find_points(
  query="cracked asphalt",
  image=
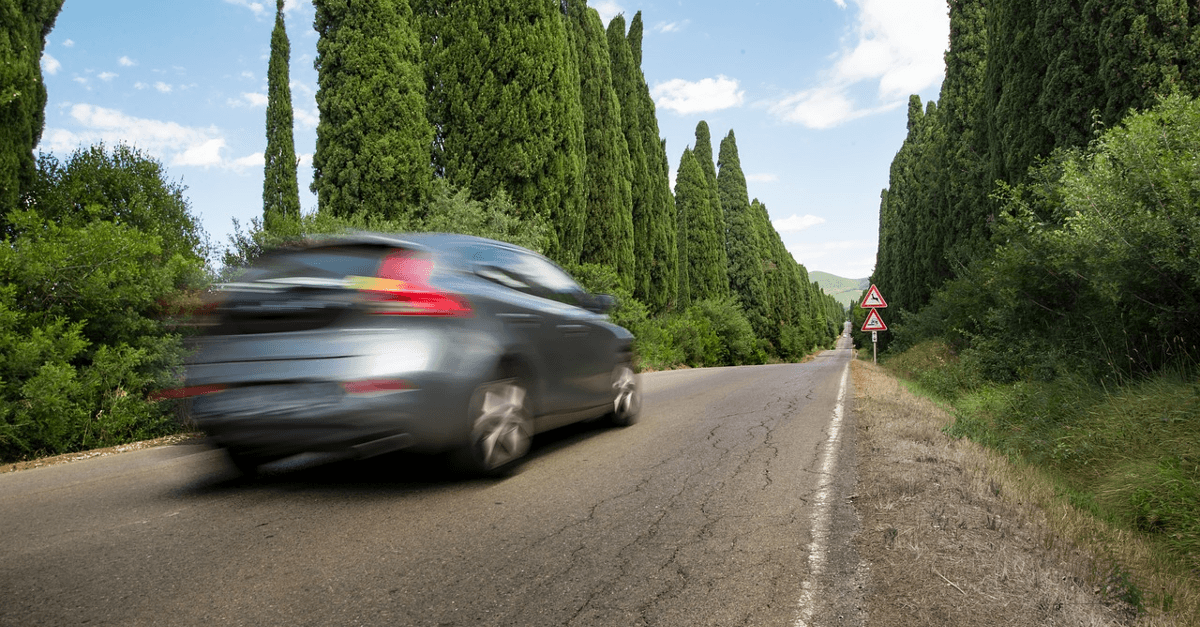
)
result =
(701, 514)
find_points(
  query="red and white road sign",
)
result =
(873, 299)
(874, 322)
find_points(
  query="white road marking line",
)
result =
(816, 552)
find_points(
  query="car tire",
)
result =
(627, 396)
(501, 429)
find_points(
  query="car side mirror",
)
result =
(599, 303)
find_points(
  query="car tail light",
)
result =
(401, 287)
(375, 386)
(186, 392)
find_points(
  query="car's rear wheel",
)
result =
(501, 429)
(627, 396)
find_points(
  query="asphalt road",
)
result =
(713, 510)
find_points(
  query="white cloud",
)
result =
(898, 46)
(207, 153)
(163, 87)
(176, 144)
(68, 43)
(140, 85)
(761, 178)
(305, 118)
(608, 9)
(81, 80)
(797, 223)
(670, 27)
(50, 65)
(106, 76)
(303, 88)
(255, 160)
(252, 100)
(710, 94)
(257, 8)
(248, 74)
(126, 62)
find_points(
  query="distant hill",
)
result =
(844, 290)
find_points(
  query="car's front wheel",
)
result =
(627, 396)
(501, 429)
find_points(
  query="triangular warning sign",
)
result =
(874, 322)
(873, 299)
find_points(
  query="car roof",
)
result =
(431, 241)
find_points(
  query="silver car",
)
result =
(372, 343)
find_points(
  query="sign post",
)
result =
(873, 301)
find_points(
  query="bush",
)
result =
(87, 278)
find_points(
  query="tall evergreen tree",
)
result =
(608, 230)
(704, 156)
(504, 96)
(706, 272)
(626, 76)
(1012, 84)
(373, 138)
(963, 181)
(660, 212)
(281, 192)
(744, 242)
(24, 25)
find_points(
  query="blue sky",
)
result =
(814, 90)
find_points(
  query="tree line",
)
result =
(523, 120)
(1040, 234)
(1036, 211)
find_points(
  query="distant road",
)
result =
(701, 514)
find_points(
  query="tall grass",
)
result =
(1128, 456)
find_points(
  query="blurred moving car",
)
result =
(372, 343)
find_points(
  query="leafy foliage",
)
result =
(373, 139)
(503, 96)
(85, 291)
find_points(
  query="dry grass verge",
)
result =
(952, 534)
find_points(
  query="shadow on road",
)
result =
(400, 472)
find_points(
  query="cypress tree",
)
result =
(744, 239)
(704, 156)
(660, 212)
(373, 139)
(24, 25)
(1012, 84)
(964, 185)
(608, 230)
(281, 192)
(504, 96)
(626, 77)
(706, 272)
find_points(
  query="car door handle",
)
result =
(573, 330)
(521, 319)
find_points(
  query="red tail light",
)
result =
(186, 392)
(402, 288)
(375, 386)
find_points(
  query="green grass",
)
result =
(1130, 456)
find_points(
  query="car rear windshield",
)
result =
(325, 262)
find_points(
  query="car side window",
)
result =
(527, 273)
(550, 280)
